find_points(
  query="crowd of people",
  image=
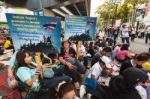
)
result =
(98, 69)
(5, 43)
(128, 32)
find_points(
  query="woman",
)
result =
(72, 66)
(82, 54)
(30, 76)
(122, 55)
(91, 50)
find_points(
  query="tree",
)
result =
(107, 12)
(124, 11)
(134, 4)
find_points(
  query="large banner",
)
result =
(80, 28)
(34, 31)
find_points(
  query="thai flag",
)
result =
(90, 23)
(50, 26)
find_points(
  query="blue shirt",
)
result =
(25, 73)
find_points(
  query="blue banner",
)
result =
(80, 28)
(34, 31)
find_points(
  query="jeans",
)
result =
(132, 37)
(53, 82)
(77, 64)
(77, 69)
(125, 39)
(147, 37)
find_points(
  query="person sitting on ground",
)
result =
(137, 61)
(125, 86)
(73, 67)
(117, 49)
(67, 91)
(105, 52)
(1, 45)
(123, 54)
(146, 65)
(8, 44)
(91, 49)
(82, 54)
(30, 76)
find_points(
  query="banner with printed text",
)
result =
(34, 31)
(80, 28)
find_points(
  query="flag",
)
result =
(50, 26)
(90, 23)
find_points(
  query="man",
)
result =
(137, 61)
(105, 52)
(125, 34)
(148, 34)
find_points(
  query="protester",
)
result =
(1, 45)
(147, 34)
(67, 91)
(123, 53)
(125, 34)
(137, 61)
(105, 52)
(82, 54)
(72, 65)
(8, 44)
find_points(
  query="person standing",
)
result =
(148, 34)
(125, 34)
(116, 32)
(133, 33)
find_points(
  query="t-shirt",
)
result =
(148, 29)
(95, 70)
(7, 44)
(116, 50)
(25, 73)
(125, 32)
(70, 53)
(122, 54)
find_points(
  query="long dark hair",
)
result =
(20, 56)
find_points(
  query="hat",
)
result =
(107, 61)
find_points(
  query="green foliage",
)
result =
(107, 12)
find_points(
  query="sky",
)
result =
(94, 5)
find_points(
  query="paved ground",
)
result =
(139, 46)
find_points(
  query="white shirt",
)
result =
(142, 92)
(148, 29)
(117, 49)
(125, 32)
(74, 46)
(95, 70)
(82, 48)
